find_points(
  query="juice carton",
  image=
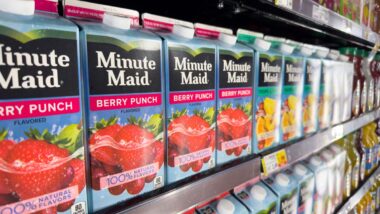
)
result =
(223, 204)
(234, 101)
(41, 122)
(319, 169)
(285, 186)
(124, 100)
(292, 92)
(364, 12)
(190, 74)
(347, 68)
(333, 67)
(258, 198)
(345, 8)
(306, 186)
(330, 162)
(369, 81)
(311, 94)
(324, 108)
(268, 85)
(340, 156)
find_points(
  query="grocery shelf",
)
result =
(179, 199)
(355, 198)
(309, 145)
(198, 190)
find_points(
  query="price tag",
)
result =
(284, 3)
(274, 161)
(337, 132)
(320, 14)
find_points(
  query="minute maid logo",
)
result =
(271, 72)
(293, 69)
(232, 68)
(123, 71)
(186, 66)
(15, 78)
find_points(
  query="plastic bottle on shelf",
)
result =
(328, 157)
(369, 81)
(354, 156)
(367, 145)
(340, 156)
(359, 88)
(373, 70)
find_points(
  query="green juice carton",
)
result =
(268, 85)
(285, 186)
(123, 75)
(223, 204)
(311, 88)
(258, 198)
(306, 186)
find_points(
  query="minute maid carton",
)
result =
(311, 88)
(223, 204)
(268, 87)
(306, 186)
(258, 198)
(190, 75)
(284, 185)
(124, 101)
(234, 98)
(41, 126)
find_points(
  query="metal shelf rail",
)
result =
(191, 194)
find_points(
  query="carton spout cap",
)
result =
(300, 169)
(227, 38)
(282, 179)
(117, 21)
(315, 160)
(225, 207)
(258, 193)
(183, 31)
(19, 7)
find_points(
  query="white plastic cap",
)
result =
(262, 44)
(334, 54)
(117, 21)
(306, 51)
(225, 207)
(19, 7)
(344, 58)
(300, 169)
(227, 38)
(327, 155)
(287, 49)
(282, 179)
(315, 160)
(258, 192)
(321, 52)
(183, 31)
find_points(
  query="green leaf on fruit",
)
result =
(104, 123)
(209, 115)
(155, 124)
(3, 133)
(70, 138)
(37, 135)
(248, 109)
(136, 121)
(226, 106)
(178, 114)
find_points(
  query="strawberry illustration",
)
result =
(50, 210)
(78, 180)
(29, 158)
(158, 151)
(110, 170)
(7, 199)
(5, 147)
(96, 174)
(136, 186)
(105, 128)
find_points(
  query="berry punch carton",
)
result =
(223, 204)
(267, 96)
(258, 198)
(285, 186)
(124, 100)
(190, 96)
(234, 96)
(310, 98)
(41, 125)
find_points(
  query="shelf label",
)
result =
(337, 132)
(320, 14)
(284, 3)
(274, 161)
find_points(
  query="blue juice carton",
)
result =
(306, 186)
(41, 123)
(190, 76)
(321, 174)
(311, 94)
(258, 198)
(285, 186)
(124, 102)
(223, 204)
(234, 98)
(268, 86)
(292, 92)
